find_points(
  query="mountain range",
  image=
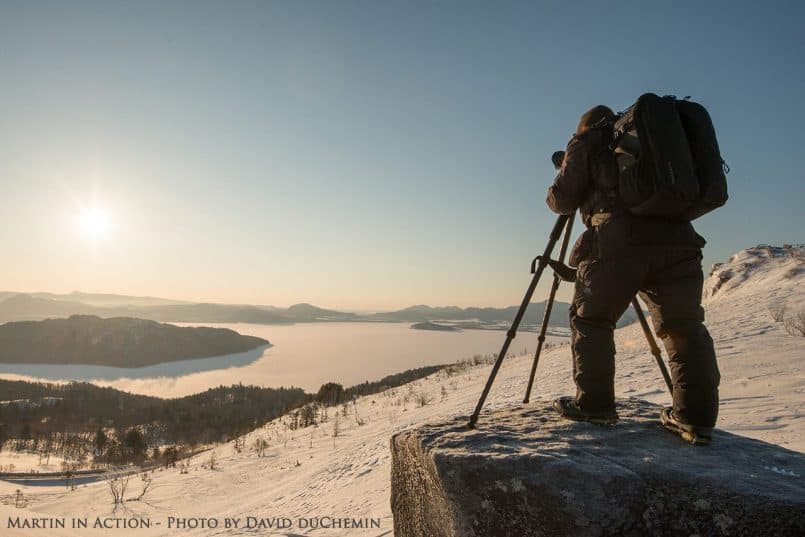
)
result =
(39, 306)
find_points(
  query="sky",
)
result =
(355, 154)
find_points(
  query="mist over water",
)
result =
(302, 355)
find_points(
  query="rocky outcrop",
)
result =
(525, 471)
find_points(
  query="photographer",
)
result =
(619, 255)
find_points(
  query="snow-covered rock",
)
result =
(526, 471)
(760, 269)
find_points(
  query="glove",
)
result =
(561, 270)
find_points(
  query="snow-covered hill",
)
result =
(311, 473)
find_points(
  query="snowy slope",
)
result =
(308, 473)
(762, 390)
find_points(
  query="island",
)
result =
(427, 325)
(117, 342)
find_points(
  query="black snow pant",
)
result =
(669, 280)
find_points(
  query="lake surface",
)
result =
(302, 355)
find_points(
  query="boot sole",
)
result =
(690, 437)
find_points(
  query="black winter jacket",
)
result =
(588, 182)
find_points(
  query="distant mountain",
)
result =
(22, 307)
(308, 312)
(109, 300)
(37, 306)
(209, 313)
(484, 315)
(423, 313)
(488, 317)
(119, 342)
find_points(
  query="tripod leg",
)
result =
(652, 343)
(546, 316)
(554, 238)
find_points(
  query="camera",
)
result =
(558, 158)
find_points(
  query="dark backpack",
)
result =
(669, 163)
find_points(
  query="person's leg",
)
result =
(673, 293)
(603, 291)
(573, 335)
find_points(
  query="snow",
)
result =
(22, 461)
(308, 473)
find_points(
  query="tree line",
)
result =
(83, 421)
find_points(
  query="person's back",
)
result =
(619, 255)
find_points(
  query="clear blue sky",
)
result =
(357, 154)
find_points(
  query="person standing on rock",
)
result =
(621, 254)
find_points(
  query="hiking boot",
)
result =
(568, 408)
(694, 434)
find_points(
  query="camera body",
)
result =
(558, 158)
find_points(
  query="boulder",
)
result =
(525, 471)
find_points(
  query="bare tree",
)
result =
(405, 399)
(117, 488)
(260, 446)
(336, 428)
(69, 469)
(796, 325)
(212, 462)
(19, 500)
(358, 420)
(777, 312)
(422, 399)
(146, 481)
(284, 435)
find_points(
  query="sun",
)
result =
(95, 222)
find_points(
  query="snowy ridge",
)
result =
(312, 473)
(759, 270)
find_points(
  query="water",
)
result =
(302, 355)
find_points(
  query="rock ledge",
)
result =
(525, 471)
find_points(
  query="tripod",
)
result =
(563, 223)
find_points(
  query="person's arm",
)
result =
(571, 185)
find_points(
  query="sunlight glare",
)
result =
(95, 222)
